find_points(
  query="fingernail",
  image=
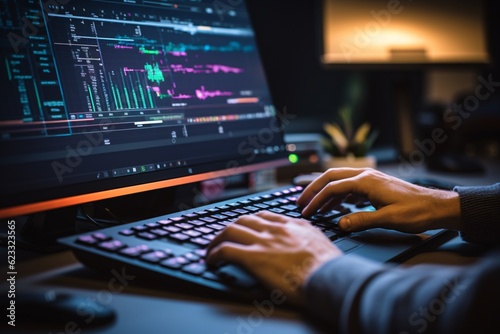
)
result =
(346, 224)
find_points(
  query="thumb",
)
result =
(360, 221)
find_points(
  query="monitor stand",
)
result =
(39, 232)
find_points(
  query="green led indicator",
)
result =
(293, 158)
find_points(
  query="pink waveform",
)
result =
(208, 69)
(178, 97)
(203, 94)
(178, 53)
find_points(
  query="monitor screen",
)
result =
(112, 97)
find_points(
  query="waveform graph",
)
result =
(203, 94)
(205, 69)
(145, 86)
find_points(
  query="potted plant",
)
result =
(347, 146)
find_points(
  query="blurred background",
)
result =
(405, 95)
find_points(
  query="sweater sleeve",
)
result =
(355, 295)
(480, 210)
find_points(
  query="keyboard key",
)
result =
(200, 252)
(261, 205)
(101, 236)
(87, 240)
(211, 276)
(177, 219)
(154, 257)
(190, 215)
(277, 210)
(251, 208)
(218, 216)
(191, 257)
(172, 229)
(179, 236)
(293, 214)
(213, 210)
(171, 263)
(184, 226)
(216, 227)
(192, 233)
(241, 211)
(208, 219)
(153, 225)
(147, 236)
(200, 241)
(194, 268)
(290, 207)
(230, 214)
(159, 232)
(111, 246)
(140, 228)
(209, 237)
(204, 230)
(197, 222)
(181, 260)
(164, 222)
(126, 232)
(135, 251)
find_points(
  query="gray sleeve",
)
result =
(353, 295)
(480, 210)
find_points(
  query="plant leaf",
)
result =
(345, 114)
(337, 136)
(362, 133)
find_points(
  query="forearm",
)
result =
(355, 295)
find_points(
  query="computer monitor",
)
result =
(108, 98)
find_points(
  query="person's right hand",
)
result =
(400, 205)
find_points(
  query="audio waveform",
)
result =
(205, 68)
(203, 94)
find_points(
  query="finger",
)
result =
(332, 203)
(235, 233)
(227, 252)
(257, 222)
(332, 189)
(361, 221)
(273, 217)
(317, 185)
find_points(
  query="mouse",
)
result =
(455, 163)
(304, 179)
(53, 307)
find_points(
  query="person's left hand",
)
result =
(281, 252)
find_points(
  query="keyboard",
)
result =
(171, 248)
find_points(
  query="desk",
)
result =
(142, 308)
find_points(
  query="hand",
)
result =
(400, 205)
(281, 252)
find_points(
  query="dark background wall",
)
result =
(288, 36)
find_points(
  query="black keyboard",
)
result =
(172, 247)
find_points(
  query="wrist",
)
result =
(447, 208)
